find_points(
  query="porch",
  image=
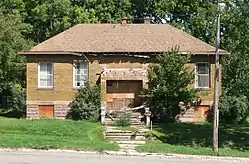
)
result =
(120, 90)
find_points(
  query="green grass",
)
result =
(197, 139)
(49, 133)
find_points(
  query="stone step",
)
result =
(125, 130)
(125, 138)
(139, 124)
(128, 146)
(186, 119)
(131, 142)
(189, 113)
(131, 115)
(131, 119)
(124, 133)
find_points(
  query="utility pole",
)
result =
(216, 85)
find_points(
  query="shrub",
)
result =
(15, 101)
(86, 105)
(123, 121)
(169, 82)
(233, 110)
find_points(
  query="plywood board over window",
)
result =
(201, 111)
(46, 111)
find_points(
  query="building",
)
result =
(115, 55)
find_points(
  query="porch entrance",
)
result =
(123, 93)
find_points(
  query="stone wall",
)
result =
(60, 109)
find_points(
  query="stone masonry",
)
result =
(60, 109)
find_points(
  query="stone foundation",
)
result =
(60, 109)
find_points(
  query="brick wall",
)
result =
(63, 77)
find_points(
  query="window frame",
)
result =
(39, 74)
(74, 72)
(196, 75)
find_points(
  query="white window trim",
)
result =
(74, 73)
(196, 75)
(39, 86)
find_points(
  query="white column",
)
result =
(103, 113)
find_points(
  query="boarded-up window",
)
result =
(46, 111)
(201, 111)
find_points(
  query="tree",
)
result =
(12, 65)
(234, 109)
(169, 82)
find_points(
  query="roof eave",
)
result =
(49, 53)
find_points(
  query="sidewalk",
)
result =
(131, 153)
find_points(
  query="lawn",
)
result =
(197, 139)
(49, 133)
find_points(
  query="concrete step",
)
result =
(131, 142)
(186, 119)
(141, 124)
(124, 133)
(125, 138)
(127, 146)
(131, 119)
(131, 115)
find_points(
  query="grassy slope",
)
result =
(197, 139)
(48, 133)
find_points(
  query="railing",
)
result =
(147, 113)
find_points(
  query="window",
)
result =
(202, 75)
(45, 75)
(80, 74)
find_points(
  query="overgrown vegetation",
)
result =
(169, 82)
(49, 133)
(197, 139)
(16, 103)
(233, 109)
(86, 105)
(123, 120)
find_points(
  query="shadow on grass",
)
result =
(200, 135)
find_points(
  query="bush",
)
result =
(233, 110)
(123, 121)
(169, 82)
(86, 105)
(15, 101)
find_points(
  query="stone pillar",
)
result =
(103, 113)
(103, 95)
(147, 111)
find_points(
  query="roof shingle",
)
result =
(124, 38)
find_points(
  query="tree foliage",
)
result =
(86, 105)
(233, 109)
(12, 65)
(169, 84)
